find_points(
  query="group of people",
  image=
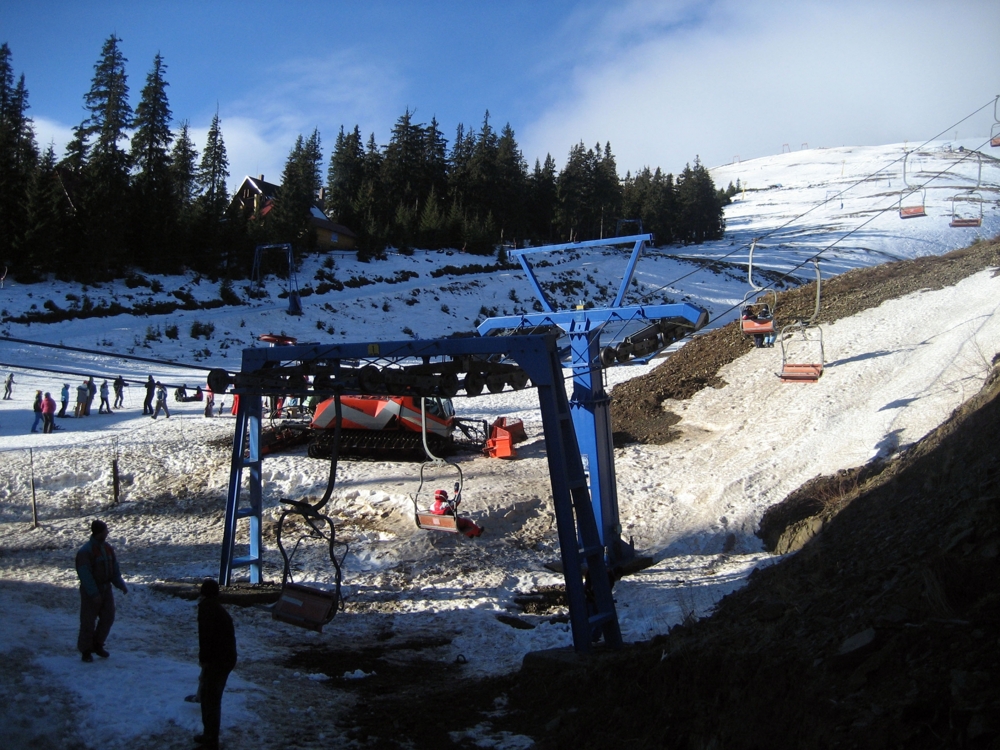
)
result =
(46, 409)
(98, 570)
(44, 406)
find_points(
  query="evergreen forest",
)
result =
(132, 192)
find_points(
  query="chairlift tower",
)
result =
(590, 405)
(257, 277)
(439, 367)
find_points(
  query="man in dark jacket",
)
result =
(97, 568)
(147, 405)
(217, 656)
(119, 389)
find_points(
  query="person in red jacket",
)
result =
(445, 507)
(48, 413)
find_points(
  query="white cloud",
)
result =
(341, 88)
(50, 132)
(666, 82)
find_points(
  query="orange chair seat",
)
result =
(808, 373)
(754, 327)
(433, 522)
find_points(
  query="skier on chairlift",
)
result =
(445, 507)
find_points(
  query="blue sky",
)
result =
(662, 81)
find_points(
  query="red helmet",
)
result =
(441, 495)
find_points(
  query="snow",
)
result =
(893, 374)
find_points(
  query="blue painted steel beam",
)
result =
(590, 405)
(639, 241)
(696, 316)
(588, 587)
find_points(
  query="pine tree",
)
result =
(575, 190)
(18, 158)
(212, 174)
(541, 200)
(510, 187)
(435, 160)
(299, 188)
(184, 173)
(701, 215)
(607, 191)
(459, 174)
(42, 248)
(403, 165)
(483, 172)
(105, 184)
(344, 177)
(154, 207)
(212, 246)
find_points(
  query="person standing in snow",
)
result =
(105, 407)
(119, 389)
(97, 569)
(147, 405)
(217, 657)
(8, 386)
(91, 392)
(64, 398)
(161, 400)
(81, 400)
(37, 408)
(48, 413)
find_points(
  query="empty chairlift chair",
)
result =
(310, 606)
(912, 200)
(966, 210)
(802, 355)
(967, 205)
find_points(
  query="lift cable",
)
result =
(832, 198)
(877, 214)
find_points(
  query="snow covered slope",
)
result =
(893, 373)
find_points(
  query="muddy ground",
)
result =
(884, 631)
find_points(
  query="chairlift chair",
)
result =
(752, 325)
(995, 130)
(970, 217)
(912, 208)
(310, 606)
(424, 518)
(800, 343)
(909, 208)
(970, 198)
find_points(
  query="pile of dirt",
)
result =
(884, 631)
